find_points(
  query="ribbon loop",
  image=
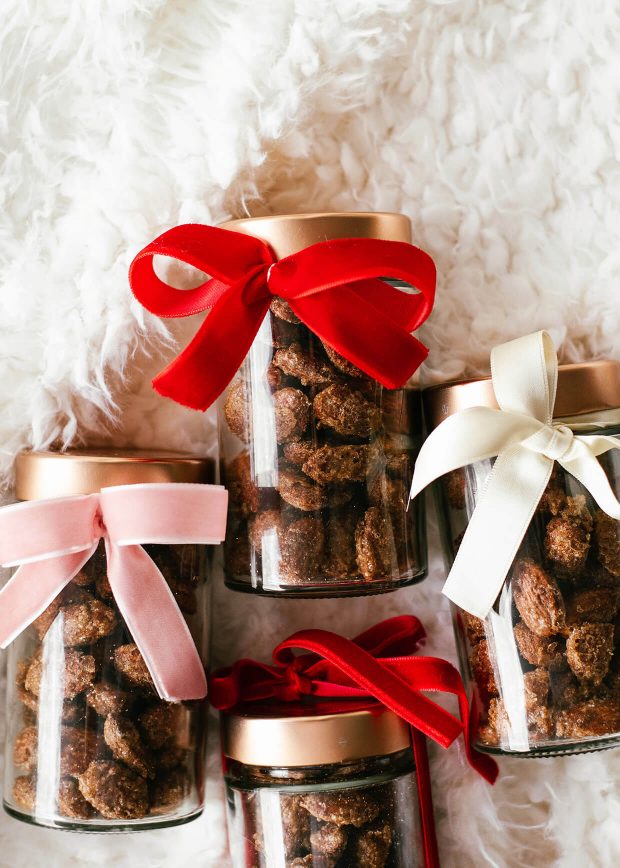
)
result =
(527, 443)
(334, 287)
(51, 540)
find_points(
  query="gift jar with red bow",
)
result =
(106, 718)
(314, 788)
(545, 660)
(317, 454)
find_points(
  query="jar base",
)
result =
(353, 589)
(566, 748)
(102, 827)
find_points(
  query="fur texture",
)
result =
(493, 125)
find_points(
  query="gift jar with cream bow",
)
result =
(106, 717)
(309, 338)
(532, 533)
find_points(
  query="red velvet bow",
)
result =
(377, 664)
(333, 287)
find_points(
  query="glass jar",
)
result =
(545, 662)
(310, 788)
(89, 745)
(317, 456)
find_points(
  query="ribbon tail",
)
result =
(587, 469)
(32, 588)
(496, 528)
(425, 796)
(156, 624)
(198, 375)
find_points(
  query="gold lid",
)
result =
(42, 475)
(305, 735)
(288, 233)
(582, 388)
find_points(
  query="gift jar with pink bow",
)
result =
(317, 453)
(532, 534)
(107, 621)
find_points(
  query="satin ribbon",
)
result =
(332, 286)
(527, 442)
(378, 665)
(51, 540)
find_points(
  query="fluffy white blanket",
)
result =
(494, 125)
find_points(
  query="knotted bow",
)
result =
(333, 287)
(526, 441)
(342, 670)
(51, 540)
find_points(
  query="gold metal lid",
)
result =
(42, 475)
(306, 735)
(288, 233)
(582, 388)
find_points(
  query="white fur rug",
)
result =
(494, 125)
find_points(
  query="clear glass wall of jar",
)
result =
(296, 796)
(545, 663)
(317, 456)
(89, 745)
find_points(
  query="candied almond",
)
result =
(607, 541)
(282, 310)
(329, 841)
(130, 663)
(589, 719)
(169, 789)
(296, 362)
(123, 739)
(589, 649)
(537, 597)
(567, 538)
(343, 808)
(347, 411)
(301, 492)
(292, 413)
(340, 555)
(79, 672)
(373, 545)
(25, 748)
(115, 790)
(372, 846)
(242, 488)
(107, 699)
(537, 650)
(295, 825)
(87, 621)
(298, 451)
(302, 546)
(343, 365)
(482, 668)
(596, 605)
(338, 463)
(161, 723)
(71, 802)
(236, 410)
(536, 685)
(25, 792)
(493, 730)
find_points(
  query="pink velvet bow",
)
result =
(51, 540)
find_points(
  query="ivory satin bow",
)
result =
(51, 540)
(527, 442)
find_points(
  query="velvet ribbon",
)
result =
(51, 540)
(378, 665)
(333, 287)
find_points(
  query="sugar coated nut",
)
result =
(292, 413)
(474, 627)
(310, 370)
(567, 538)
(302, 546)
(265, 524)
(372, 846)
(25, 748)
(298, 451)
(329, 841)
(282, 310)
(236, 410)
(130, 663)
(301, 492)
(589, 719)
(482, 668)
(596, 605)
(340, 555)
(338, 464)
(540, 722)
(607, 541)
(295, 825)
(537, 650)
(373, 545)
(537, 597)
(242, 488)
(87, 622)
(115, 790)
(347, 411)
(344, 808)
(79, 747)
(123, 739)
(493, 731)
(536, 685)
(161, 723)
(589, 649)
(25, 792)
(106, 699)
(169, 789)
(71, 802)
(343, 365)
(79, 672)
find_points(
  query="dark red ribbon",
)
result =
(333, 287)
(378, 664)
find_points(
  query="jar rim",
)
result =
(288, 233)
(307, 736)
(40, 475)
(584, 387)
